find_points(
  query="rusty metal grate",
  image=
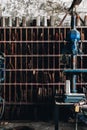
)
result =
(34, 63)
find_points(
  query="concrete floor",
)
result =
(39, 126)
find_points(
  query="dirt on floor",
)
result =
(40, 126)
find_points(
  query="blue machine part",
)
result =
(75, 71)
(74, 35)
(75, 48)
(73, 45)
(74, 97)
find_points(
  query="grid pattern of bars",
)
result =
(35, 60)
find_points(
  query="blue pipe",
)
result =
(75, 71)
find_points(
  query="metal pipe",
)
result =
(74, 84)
(76, 71)
(74, 76)
(67, 85)
(73, 21)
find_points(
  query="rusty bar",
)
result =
(23, 21)
(85, 20)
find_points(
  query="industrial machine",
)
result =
(74, 49)
(73, 41)
(71, 97)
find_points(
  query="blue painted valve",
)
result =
(74, 35)
(74, 38)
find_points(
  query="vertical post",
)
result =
(56, 116)
(3, 21)
(73, 21)
(74, 76)
(74, 39)
(17, 21)
(85, 20)
(24, 21)
(45, 21)
(78, 23)
(67, 85)
(52, 19)
(76, 125)
(10, 21)
(38, 20)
